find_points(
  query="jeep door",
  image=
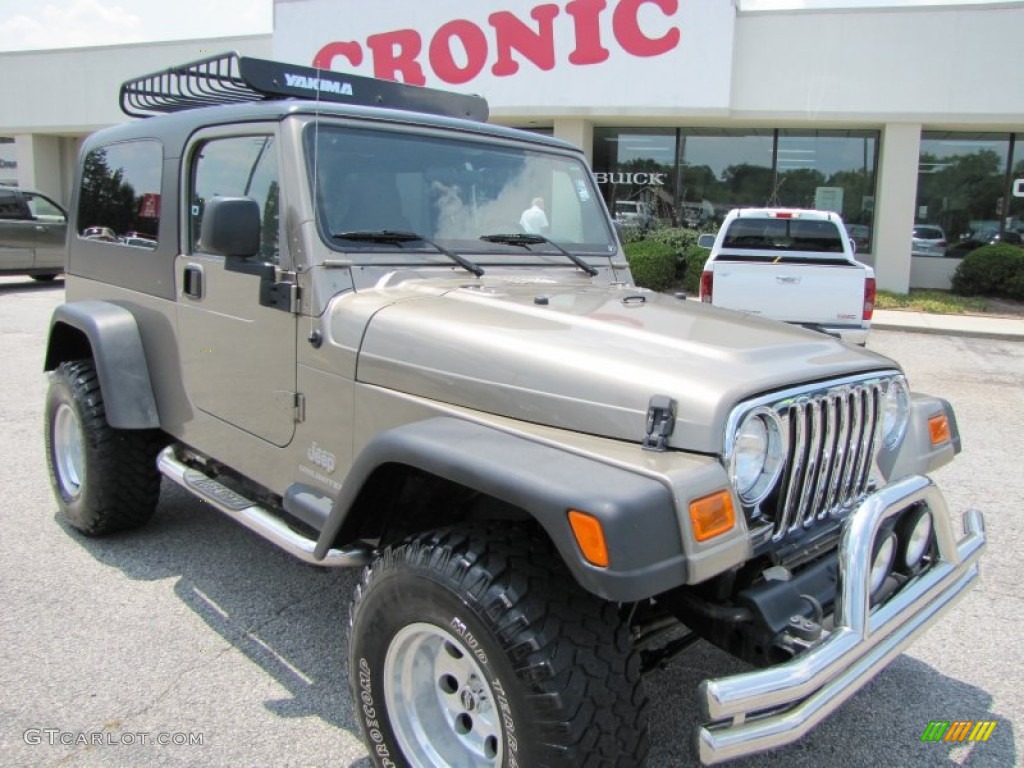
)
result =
(51, 226)
(237, 354)
(17, 233)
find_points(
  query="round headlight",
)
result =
(915, 532)
(756, 455)
(881, 563)
(895, 412)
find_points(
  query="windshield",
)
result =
(784, 234)
(450, 191)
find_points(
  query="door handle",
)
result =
(193, 281)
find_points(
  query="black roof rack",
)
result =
(229, 78)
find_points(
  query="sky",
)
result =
(39, 24)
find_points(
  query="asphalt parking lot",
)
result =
(195, 632)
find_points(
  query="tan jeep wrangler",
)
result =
(328, 324)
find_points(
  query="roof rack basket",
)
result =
(229, 78)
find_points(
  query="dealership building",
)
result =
(894, 116)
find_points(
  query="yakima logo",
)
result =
(459, 49)
(318, 84)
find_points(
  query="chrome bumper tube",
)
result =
(756, 711)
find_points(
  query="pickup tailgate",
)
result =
(791, 289)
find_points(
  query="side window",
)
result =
(240, 166)
(43, 209)
(120, 195)
(10, 206)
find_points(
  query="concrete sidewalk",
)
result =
(981, 326)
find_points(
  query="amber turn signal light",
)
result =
(938, 428)
(590, 537)
(712, 515)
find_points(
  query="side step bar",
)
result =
(255, 517)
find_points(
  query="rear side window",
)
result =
(928, 233)
(120, 194)
(784, 235)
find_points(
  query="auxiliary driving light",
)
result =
(881, 562)
(915, 534)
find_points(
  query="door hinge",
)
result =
(300, 407)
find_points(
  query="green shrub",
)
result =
(688, 257)
(689, 265)
(653, 264)
(992, 270)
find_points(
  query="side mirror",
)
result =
(706, 241)
(231, 227)
(853, 245)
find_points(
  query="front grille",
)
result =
(830, 433)
(832, 441)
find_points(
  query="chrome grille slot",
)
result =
(833, 435)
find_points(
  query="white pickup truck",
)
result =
(793, 265)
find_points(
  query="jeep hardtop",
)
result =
(555, 481)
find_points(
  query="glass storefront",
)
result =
(693, 176)
(8, 163)
(965, 189)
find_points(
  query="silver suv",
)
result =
(32, 232)
(553, 480)
(928, 240)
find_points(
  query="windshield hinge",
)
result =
(661, 420)
(300, 407)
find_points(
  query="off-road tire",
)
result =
(558, 669)
(111, 483)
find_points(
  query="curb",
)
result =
(994, 335)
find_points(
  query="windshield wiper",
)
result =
(392, 236)
(526, 241)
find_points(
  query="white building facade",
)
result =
(895, 117)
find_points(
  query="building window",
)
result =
(8, 161)
(832, 171)
(692, 177)
(1015, 199)
(635, 170)
(962, 190)
(119, 200)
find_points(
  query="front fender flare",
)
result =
(116, 348)
(636, 511)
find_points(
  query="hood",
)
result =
(589, 358)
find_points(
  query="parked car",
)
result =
(100, 233)
(633, 213)
(32, 232)
(138, 241)
(793, 265)
(977, 239)
(928, 240)
(861, 236)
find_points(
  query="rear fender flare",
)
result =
(115, 345)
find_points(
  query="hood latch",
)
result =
(661, 420)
